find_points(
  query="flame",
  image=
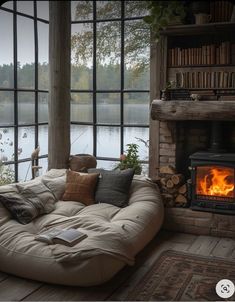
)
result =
(217, 182)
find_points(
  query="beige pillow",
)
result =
(37, 192)
(80, 187)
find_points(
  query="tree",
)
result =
(137, 35)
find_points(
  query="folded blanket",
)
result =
(109, 242)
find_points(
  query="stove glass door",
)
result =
(215, 183)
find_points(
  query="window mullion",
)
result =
(122, 77)
(15, 91)
(94, 82)
(36, 73)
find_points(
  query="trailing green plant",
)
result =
(130, 159)
(163, 13)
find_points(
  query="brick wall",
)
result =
(178, 140)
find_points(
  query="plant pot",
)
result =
(198, 7)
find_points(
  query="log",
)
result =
(183, 189)
(167, 170)
(177, 178)
(181, 199)
(193, 110)
(163, 181)
(169, 184)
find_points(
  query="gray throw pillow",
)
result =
(113, 186)
(31, 201)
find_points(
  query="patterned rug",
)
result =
(177, 276)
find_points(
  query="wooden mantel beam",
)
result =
(193, 110)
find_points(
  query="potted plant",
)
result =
(163, 14)
(130, 159)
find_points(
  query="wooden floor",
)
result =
(18, 289)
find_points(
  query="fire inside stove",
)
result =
(215, 182)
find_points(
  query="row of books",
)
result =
(205, 55)
(221, 11)
(205, 79)
(213, 95)
(205, 95)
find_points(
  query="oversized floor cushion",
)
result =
(115, 235)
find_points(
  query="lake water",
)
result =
(108, 138)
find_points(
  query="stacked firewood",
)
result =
(172, 186)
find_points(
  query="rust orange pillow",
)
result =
(80, 187)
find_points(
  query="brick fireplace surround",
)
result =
(177, 141)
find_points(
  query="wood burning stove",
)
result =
(213, 178)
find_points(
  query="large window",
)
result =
(109, 82)
(23, 86)
(110, 79)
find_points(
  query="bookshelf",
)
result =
(208, 70)
(199, 59)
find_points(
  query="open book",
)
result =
(68, 237)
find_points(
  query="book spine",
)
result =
(233, 53)
(208, 55)
(180, 57)
(169, 58)
(228, 52)
(217, 55)
(200, 56)
(212, 79)
(212, 49)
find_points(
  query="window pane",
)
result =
(139, 136)
(26, 107)
(81, 139)
(42, 107)
(145, 169)
(43, 162)
(43, 9)
(43, 49)
(108, 141)
(81, 10)
(81, 107)
(7, 174)
(26, 55)
(108, 9)
(8, 4)
(136, 8)
(43, 139)
(24, 171)
(6, 50)
(136, 108)
(6, 108)
(81, 56)
(26, 138)
(108, 108)
(25, 7)
(6, 144)
(106, 164)
(137, 54)
(108, 55)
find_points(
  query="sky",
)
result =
(25, 33)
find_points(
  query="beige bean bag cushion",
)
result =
(115, 235)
